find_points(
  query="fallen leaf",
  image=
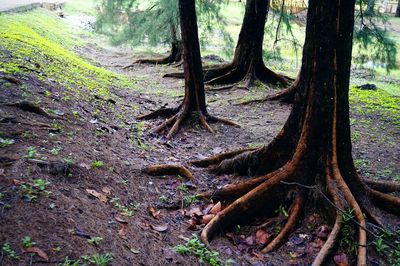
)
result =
(106, 190)
(192, 224)
(18, 182)
(120, 219)
(38, 252)
(262, 237)
(296, 254)
(123, 230)
(159, 228)
(318, 243)
(208, 208)
(341, 259)
(153, 212)
(195, 211)
(1, 172)
(216, 208)
(207, 218)
(98, 195)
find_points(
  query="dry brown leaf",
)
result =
(216, 208)
(106, 190)
(207, 218)
(159, 228)
(38, 252)
(98, 195)
(1, 172)
(17, 182)
(262, 237)
(118, 218)
(323, 232)
(195, 211)
(341, 259)
(123, 230)
(153, 212)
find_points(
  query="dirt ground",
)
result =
(79, 205)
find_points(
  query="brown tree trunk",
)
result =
(317, 141)
(175, 55)
(194, 102)
(247, 65)
(398, 9)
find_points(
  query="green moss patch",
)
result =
(39, 42)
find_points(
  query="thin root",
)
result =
(219, 158)
(383, 186)
(168, 169)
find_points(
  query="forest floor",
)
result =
(71, 179)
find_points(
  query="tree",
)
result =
(247, 65)
(313, 152)
(154, 22)
(194, 102)
(398, 9)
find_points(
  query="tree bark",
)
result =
(398, 9)
(317, 143)
(175, 55)
(247, 65)
(194, 102)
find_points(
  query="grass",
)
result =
(40, 42)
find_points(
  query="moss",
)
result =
(39, 42)
(378, 102)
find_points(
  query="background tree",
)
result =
(154, 22)
(312, 153)
(398, 9)
(247, 65)
(194, 102)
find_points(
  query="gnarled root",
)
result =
(162, 112)
(219, 157)
(168, 169)
(382, 186)
(294, 214)
(31, 107)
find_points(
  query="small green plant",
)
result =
(27, 242)
(125, 209)
(6, 142)
(282, 211)
(47, 93)
(346, 241)
(31, 152)
(68, 262)
(97, 164)
(99, 259)
(69, 161)
(36, 189)
(199, 250)
(163, 198)
(95, 240)
(190, 199)
(9, 252)
(55, 151)
(182, 187)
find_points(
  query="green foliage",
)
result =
(125, 209)
(9, 252)
(36, 189)
(95, 240)
(154, 22)
(376, 102)
(196, 248)
(68, 262)
(387, 244)
(31, 152)
(27, 242)
(99, 259)
(190, 199)
(6, 142)
(39, 42)
(372, 43)
(346, 241)
(97, 164)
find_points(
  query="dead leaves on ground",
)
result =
(38, 252)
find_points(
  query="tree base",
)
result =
(177, 116)
(250, 196)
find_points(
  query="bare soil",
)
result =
(61, 223)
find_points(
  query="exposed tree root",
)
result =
(168, 169)
(31, 107)
(219, 158)
(162, 112)
(284, 96)
(294, 214)
(13, 80)
(383, 186)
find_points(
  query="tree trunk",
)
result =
(175, 55)
(398, 10)
(247, 65)
(194, 102)
(317, 141)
